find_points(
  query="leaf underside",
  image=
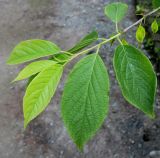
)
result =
(85, 99)
(40, 91)
(136, 78)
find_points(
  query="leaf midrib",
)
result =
(84, 113)
(46, 86)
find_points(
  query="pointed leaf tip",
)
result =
(34, 68)
(154, 26)
(140, 34)
(84, 42)
(85, 99)
(136, 78)
(32, 49)
(40, 91)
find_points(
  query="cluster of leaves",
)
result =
(151, 27)
(85, 100)
(140, 34)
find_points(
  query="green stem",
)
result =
(117, 30)
(113, 37)
(94, 47)
(98, 49)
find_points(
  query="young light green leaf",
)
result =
(30, 79)
(40, 91)
(32, 49)
(140, 34)
(154, 26)
(85, 99)
(86, 41)
(34, 68)
(136, 78)
(116, 11)
(124, 42)
(156, 3)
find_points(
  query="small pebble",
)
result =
(139, 145)
(61, 152)
(154, 154)
(132, 141)
(51, 124)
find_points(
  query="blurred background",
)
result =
(126, 132)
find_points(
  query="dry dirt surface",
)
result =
(126, 132)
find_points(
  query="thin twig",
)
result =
(140, 20)
(113, 37)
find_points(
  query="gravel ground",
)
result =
(126, 132)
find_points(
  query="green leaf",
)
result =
(30, 79)
(136, 78)
(40, 91)
(124, 42)
(116, 11)
(140, 34)
(86, 41)
(32, 49)
(156, 3)
(61, 57)
(34, 68)
(154, 26)
(85, 99)
(113, 40)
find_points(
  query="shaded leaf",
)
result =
(86, 41)
(61, 57)
(30, 79)
(156, 3)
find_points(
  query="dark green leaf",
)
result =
(156, 3)
(85, 99)
(61, 57)
(30, 79)
(86, 41)
(136, 78)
